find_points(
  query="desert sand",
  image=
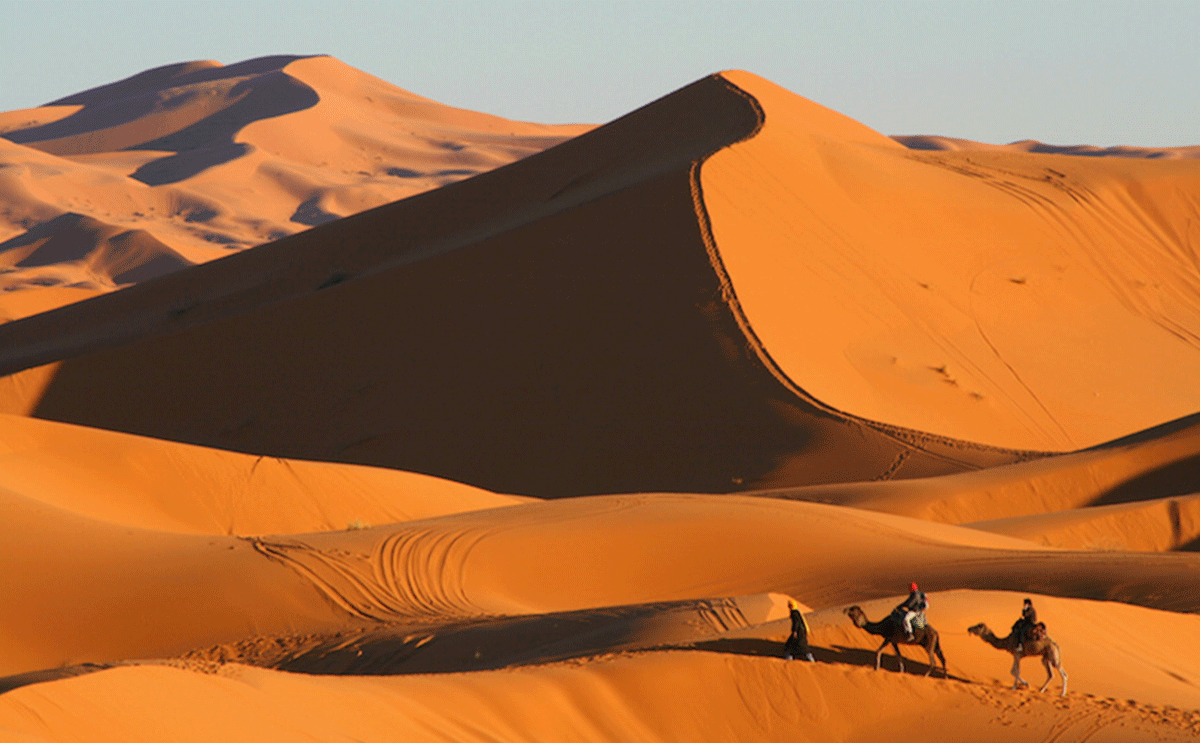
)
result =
(189, 162)
(331, 412)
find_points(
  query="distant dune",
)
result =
(188, 162)
(480, 430)
(926, 142)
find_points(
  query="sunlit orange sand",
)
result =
(540, 438)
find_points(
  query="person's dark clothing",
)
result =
(797, 642)
(916, 601)
(1028, 620)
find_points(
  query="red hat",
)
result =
(913, 587)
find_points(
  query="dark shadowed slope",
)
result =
(562, 319)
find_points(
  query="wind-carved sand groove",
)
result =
(1087, 201)
(417, 571)
(723, 615)
(409, 574)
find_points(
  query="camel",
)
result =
(1041, 646)
(891, 629)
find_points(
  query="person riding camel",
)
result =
(1023, 625)
(797, 642)
(916, 604)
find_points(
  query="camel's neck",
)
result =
(877, 628)
(1000, 643)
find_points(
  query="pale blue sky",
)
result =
(1062, 71)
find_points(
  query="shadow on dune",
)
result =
(67, 237)
(936, 143)
(395, 657)
(209, 141)
(486, 643)
(310, 213)
(1181, 477)
(188, 163)
(565, 319)
(861, 657)
(128, 100)
(1192, 546)
(16, 681)
(759, 647)
(123, 256)
(110, 115)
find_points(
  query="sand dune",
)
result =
(80, 590)
(509, 641)
(926, 142)
(71, 249)
(689, 695)
(633, 380)
(1161, 462)
(160, 485)
(200, 159)
(962, 293)
(1106, 647)
(732, 313)
(534, 558)
(1156, 525)
(15, 305)
(550, 447)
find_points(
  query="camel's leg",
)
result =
(1018, 682)
(879, 653)
(932, 658)
(1062, 672)
(1049, 674)
(899, 657)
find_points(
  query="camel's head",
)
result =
(856, 615)
(980, 629)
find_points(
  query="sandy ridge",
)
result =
(628, 324)
(909, 437)
(200, 159)
(597, 191)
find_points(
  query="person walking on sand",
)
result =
(797, 642)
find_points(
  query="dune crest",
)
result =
(165, 486)
(963, 293)
(651, 368)
(557, 444)
(1161, 462)
(926, 142)
(234, 156)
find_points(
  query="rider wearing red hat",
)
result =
(916, 603)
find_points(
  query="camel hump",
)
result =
(1038, 631)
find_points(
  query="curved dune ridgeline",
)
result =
(186, 163)
(564, 319)
(1159, 463)
(97, 580)
(165, 486)
(553, 441)
(1005, 298)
